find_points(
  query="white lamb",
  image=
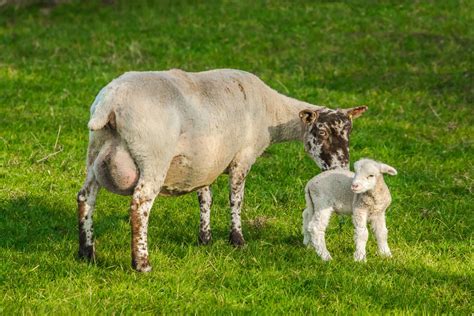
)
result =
(362, 194)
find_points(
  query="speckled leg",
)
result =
(140, 207)
(85, 209)
(205, 202)
(237, 174)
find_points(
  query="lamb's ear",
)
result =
(355, 112)
(388, 169)
(309, 116)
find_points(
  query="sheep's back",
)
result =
(332, 189)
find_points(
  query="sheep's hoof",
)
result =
(205, 237)
(141, 266)
(87, 253)
(306, 241)
(385, 254)
(236, 238)
(326, 257)
(359, 256)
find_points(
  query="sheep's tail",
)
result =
(102, 112)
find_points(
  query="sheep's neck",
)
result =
(285, 123)
(377, 195)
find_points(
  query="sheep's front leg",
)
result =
(317, 229)
(142, 202)
(361, 234)
(205, 201)
(85, 209)
(237, 174)
(381, 233)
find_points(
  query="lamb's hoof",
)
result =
(326, 257)
(87, 253)
(386, 254)
(142, 265)
(236, 238)
(306, 241)
(359, 256)
(205, 238)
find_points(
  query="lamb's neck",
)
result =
(285, 123)
(378, 195)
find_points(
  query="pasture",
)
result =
(410, 62)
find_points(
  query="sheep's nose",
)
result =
(355, 186)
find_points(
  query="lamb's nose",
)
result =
(355, 186)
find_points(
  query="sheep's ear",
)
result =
(353, 113)
(388, 169)
(309, 116)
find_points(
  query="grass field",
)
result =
(410, 62)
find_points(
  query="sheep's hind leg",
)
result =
(205, 202)
(317, 228)
(140, 207)
(237, 174)
(85, 208)
(306, 220)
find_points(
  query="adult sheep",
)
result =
(174, 132)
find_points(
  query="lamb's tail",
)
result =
(102, 112)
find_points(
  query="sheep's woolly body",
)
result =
(198, 114)
(332, 189)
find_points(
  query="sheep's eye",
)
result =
(322, 132)
(370, 176)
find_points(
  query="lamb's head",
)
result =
(326, 135)
(368, 173)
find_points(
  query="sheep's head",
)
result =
(367, 173)
(326, 135)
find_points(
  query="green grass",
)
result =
(411, 63)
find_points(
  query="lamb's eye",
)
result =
(322, 132)
(370, 176)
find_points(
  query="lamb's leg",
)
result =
(317, 228)
(237, 174)
(307, 214)
(85, 209)
(205, 201)
(361, 234)
(380, 231)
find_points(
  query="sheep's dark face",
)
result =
(326, 136)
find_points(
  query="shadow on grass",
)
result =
(29, 223)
